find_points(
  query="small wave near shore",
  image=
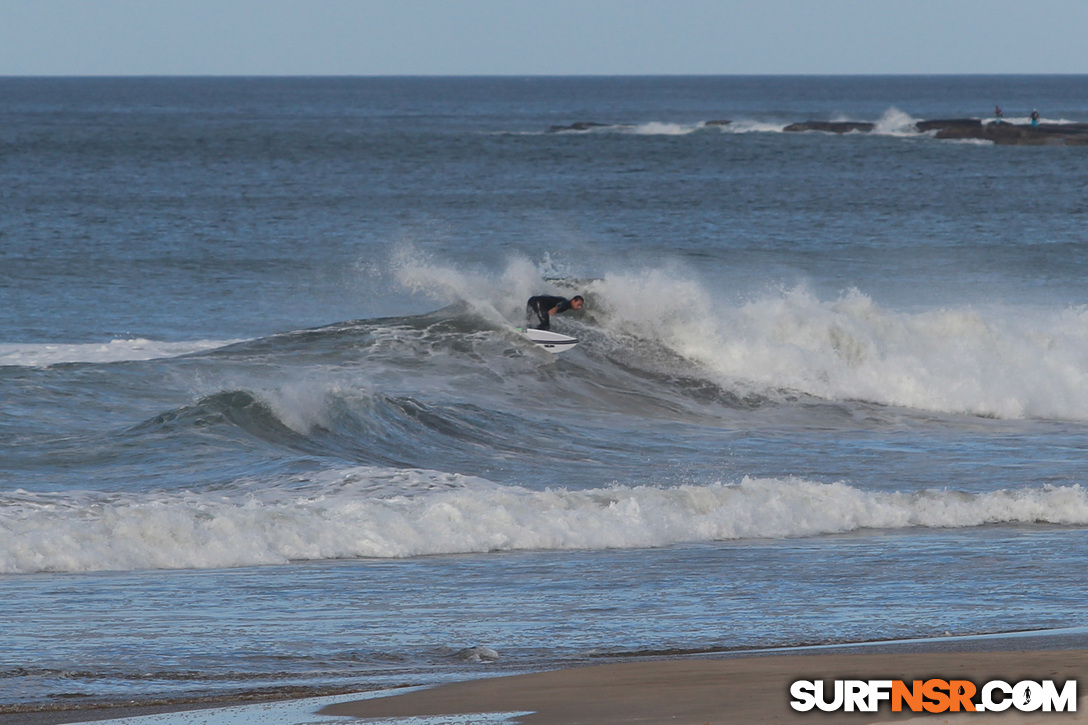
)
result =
(381, 513)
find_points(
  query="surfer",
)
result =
(542, 307)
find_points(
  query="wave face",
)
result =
(448, 433)
(387, 513)
(1001, 361)
(993, 361)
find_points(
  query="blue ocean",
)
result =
(266, 425)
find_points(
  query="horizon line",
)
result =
(532, 75)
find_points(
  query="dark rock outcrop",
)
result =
(831, 126)
(1012, 134)
(1001, 133)
(579, 126)
(961, 124)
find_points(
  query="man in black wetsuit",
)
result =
(542, 307)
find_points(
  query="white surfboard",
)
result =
(551, 341)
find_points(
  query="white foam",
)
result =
(971, 141)
(287, 712)
(658, 128)
(754, 126)
(1005, 362)
(345, 519)
(119, 350)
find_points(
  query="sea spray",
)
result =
(496, 298)
(894, 122)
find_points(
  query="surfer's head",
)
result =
(576, 302)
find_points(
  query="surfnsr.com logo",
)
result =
(933, 695)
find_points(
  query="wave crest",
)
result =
(365, 513)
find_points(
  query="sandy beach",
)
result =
(739, 690)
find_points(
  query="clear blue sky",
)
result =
(540, 37)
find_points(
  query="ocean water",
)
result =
(265, 425)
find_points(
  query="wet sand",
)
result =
(741, 690)
(183, 711)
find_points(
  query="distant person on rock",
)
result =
(1035, 117)
(539, 310)
(998, 114)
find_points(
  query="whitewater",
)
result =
(189, 530)
(691, 361)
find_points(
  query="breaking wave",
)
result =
(893, 122)
(384, 513)
(1011, 362)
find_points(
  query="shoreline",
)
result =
(712, 687)
(700, 691)
(107, 711)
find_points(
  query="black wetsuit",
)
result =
(538, 307)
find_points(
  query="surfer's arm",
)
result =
(561, 307)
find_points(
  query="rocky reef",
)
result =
(959, 129)
(1010, 134)
(831, 126)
